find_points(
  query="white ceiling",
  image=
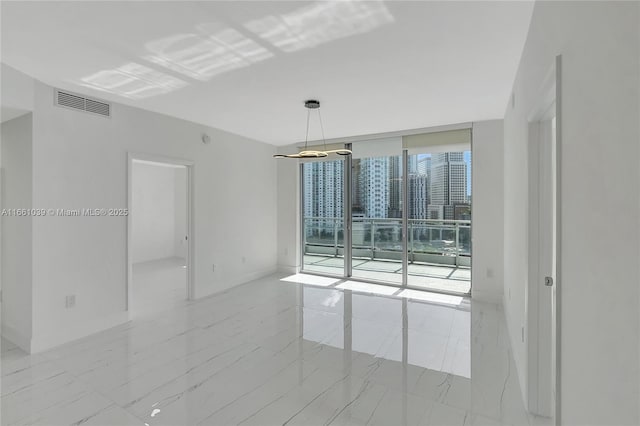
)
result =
(247, 67)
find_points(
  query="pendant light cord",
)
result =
(322, 130)
(306, 138)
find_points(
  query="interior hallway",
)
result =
(279, 350)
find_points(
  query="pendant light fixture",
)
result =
(307, 153)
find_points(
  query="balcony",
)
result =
(439, 251)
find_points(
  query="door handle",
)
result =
(548, 281)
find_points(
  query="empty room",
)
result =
(159, 236)
(355, 212)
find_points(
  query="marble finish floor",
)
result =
(158, 285)
(283, 350)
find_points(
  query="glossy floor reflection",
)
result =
(273, 352)
(158, 285)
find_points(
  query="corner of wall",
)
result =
(17, 92)
(14, 336)
(17, 193)
(487, 213)
(288, 212)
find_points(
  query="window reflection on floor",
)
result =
(396, 326)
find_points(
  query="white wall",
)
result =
(16, 91)
(16, 231)
(599, 209)
(288, 212)
(154, 210)
(80, 160)
(488, 211)
(180, 214)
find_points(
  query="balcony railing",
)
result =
(445, 242)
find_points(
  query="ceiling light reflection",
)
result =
(133, 81)
(201, 56)
(320, 23)
(332, 300)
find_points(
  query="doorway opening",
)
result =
(158, 234)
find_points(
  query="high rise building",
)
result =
(424, 165)
(447, 184)
(395, 187)
(413, 164)
(323, 183)
(374, 188)
(418, 196)
(437, 183)
(424, 168)
(356, 202)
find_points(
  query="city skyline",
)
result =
(439, 187)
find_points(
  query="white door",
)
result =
(547, 268)
(542, 276)
(543, 320)
(543, 223)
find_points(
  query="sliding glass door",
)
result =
(323, 217)
(439, 221)
(398, 211)
(376, 211)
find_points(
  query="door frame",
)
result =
(547, 107)
(190, 261)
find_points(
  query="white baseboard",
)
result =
(242, 279)
(43, 342)
(14, 336)
(253, 276)
(289, 269)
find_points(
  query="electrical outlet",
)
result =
(522, 334)
(489, 273)
(213, 268)
(244, 259)
(70, 301)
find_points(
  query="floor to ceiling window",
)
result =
(439, 221)
(323, 216)
(376, 211)
(398, 211)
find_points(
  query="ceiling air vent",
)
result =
(74, 101)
